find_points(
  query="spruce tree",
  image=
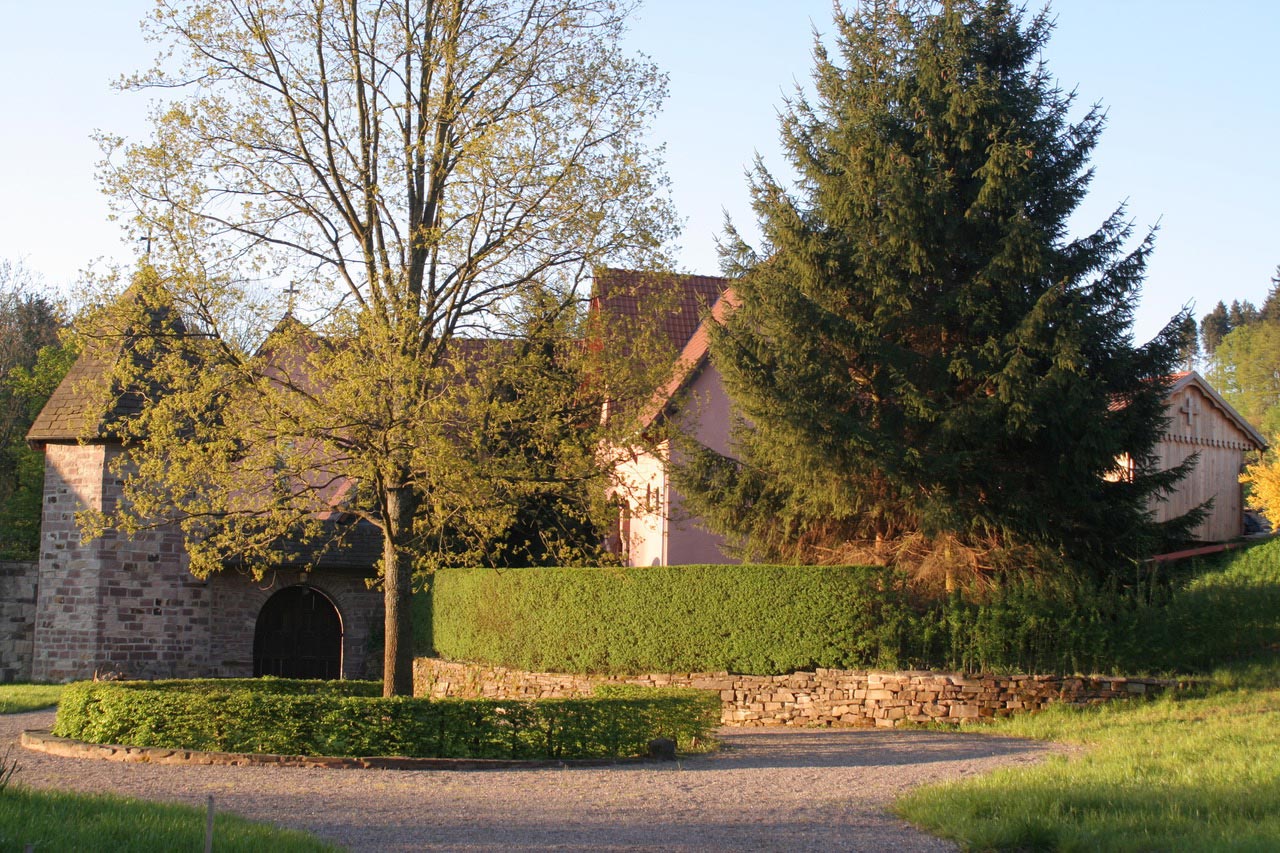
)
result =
(927, 363)
(1214, 326)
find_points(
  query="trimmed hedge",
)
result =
(770, 620)
(748, 619)
(343, 718)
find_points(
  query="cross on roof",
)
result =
(291, 291)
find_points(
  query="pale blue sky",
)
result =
(1191, 92)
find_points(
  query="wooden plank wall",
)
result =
(1196, 425)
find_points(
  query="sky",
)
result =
(1191, 96)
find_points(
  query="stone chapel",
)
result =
(122, 606)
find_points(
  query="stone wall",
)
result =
(17, 618)
(238, 599)
(826, 697)
(116, 604)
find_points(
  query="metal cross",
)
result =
(291, 291)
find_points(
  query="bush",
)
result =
(345, 718)
(770, 620)
(745, 619)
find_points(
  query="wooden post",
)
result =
(208, 828)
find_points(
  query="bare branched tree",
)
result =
(423, 171)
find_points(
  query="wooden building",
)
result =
(1200, 421)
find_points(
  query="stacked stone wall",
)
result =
(17, 618)
(825, 697)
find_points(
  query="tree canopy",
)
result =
(424, 177)
(33, 359)
(930, 368)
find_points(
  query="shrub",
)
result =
(769, 620)
(345, 718)
(746, 619)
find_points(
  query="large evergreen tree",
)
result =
(928, 364)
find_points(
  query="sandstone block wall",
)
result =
(238, 599)
(17, 618)
(116, 604)
(825, 697)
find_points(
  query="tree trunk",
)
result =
(397, 581)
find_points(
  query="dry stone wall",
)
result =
(825, 697)
(17, 618)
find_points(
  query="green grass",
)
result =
(16, 698)
(55, 820)
(1199, 770)
(61, 820)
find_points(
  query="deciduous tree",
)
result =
(1245, 368)
(32, 362)
(414, 168)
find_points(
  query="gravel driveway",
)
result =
(769, 789)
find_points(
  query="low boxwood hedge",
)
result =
(345, 718)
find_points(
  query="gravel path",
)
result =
(769, 789)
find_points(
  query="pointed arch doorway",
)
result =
(298, 635)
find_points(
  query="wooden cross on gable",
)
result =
(1190, 409)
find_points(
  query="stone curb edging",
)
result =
(40, 740)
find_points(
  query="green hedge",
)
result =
(767, 620)
(750, 619)
(343, 719)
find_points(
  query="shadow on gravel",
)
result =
(856, 748)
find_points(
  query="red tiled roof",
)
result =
(629, 294)
(692, 357)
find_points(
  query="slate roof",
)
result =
(69, 413)
(345, 542)
(78, 410)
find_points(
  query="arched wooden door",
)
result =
(298, 635)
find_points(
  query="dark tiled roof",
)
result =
(74, 410)
(84, 406)
(344, 543)
(630, 295)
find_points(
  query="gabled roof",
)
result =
(1190, 377)
(692, 357)
(633, 295)
(82, 407)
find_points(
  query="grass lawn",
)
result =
(59, 820)
(55, 820)
(16, 698)
(1198, 770)
(1190, 772)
